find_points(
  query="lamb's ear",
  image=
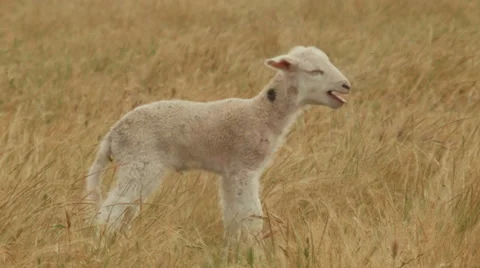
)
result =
(283, 62)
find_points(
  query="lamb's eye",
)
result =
(317, 72)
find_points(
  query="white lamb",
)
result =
(234, 138)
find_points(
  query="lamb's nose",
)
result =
(346, 86)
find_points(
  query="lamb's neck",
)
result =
(277, 103)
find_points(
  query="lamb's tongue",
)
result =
(339, 97)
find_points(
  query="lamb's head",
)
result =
(317, 80)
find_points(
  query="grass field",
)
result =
(389, 180)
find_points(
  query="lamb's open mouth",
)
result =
(336, 96)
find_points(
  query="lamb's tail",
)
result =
(93, 178)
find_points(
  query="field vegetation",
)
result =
(392, 179)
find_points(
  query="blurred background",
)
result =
(388, 180)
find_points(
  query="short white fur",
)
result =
(234, 138)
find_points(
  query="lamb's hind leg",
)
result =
(135, 182)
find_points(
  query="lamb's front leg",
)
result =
(242, 210)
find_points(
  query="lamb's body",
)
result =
(233, 138)
(181, 133)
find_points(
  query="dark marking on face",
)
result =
(271, 94)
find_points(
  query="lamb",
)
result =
(234, 138)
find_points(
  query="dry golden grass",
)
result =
(389, 180)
